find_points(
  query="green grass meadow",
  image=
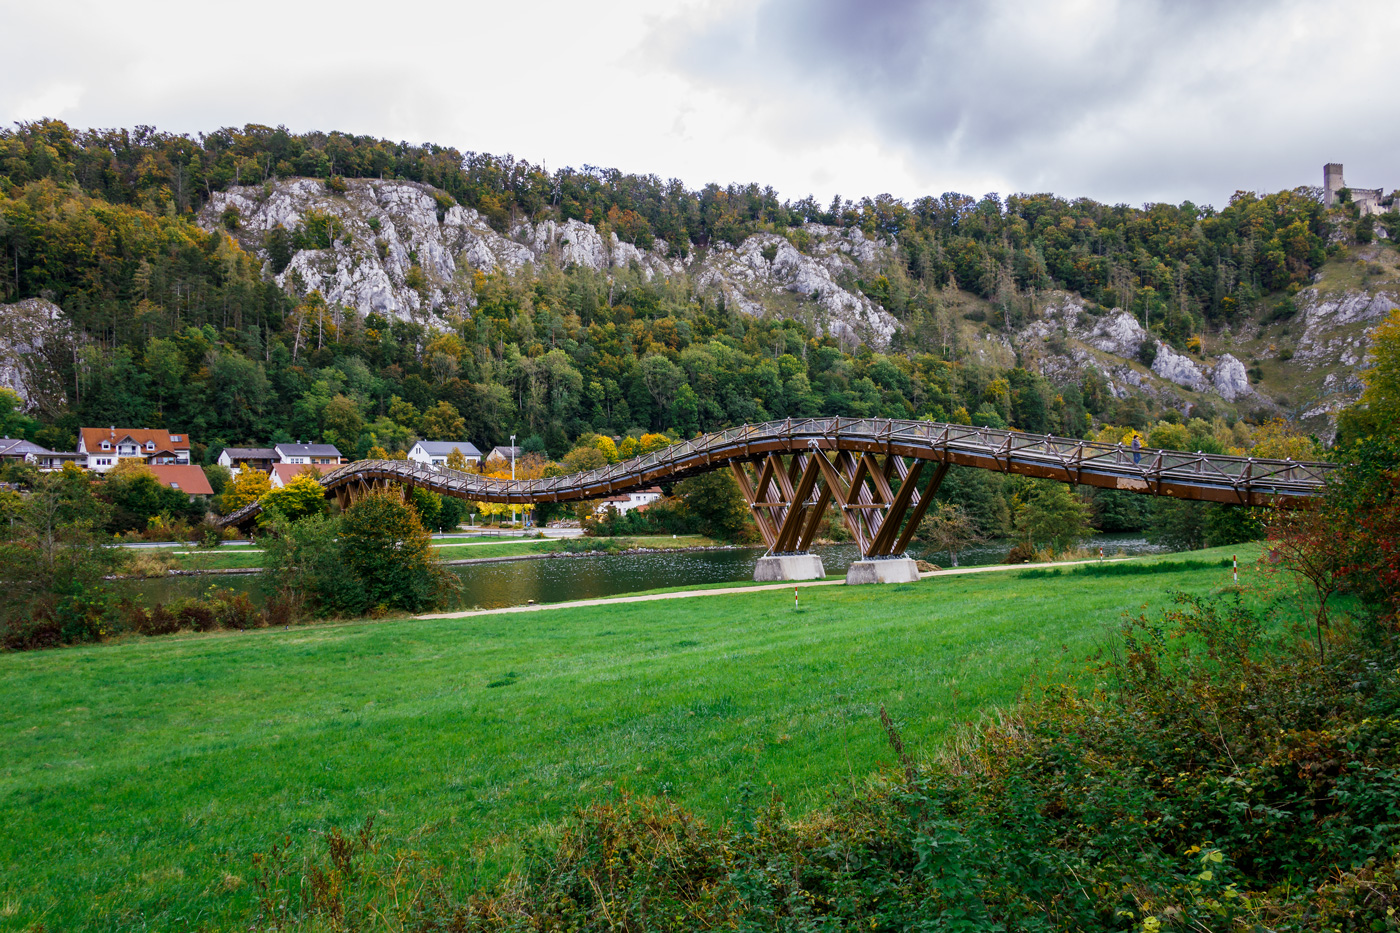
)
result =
(138, 777)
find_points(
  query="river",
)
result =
(491, 586)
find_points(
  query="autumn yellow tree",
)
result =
(249, 486)
(1378, 409)
(530, 466)
(443, 423)
(1278, 440)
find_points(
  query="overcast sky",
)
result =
(1120, 101)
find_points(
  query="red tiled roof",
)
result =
(93, 438)
(183, 476)
(285, 471)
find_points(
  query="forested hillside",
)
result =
(167, 322)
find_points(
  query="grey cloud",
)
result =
(1114, 99)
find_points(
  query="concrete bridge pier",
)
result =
(898, 569)
(776, 567)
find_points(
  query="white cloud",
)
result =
(1107, 98)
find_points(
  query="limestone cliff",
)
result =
(405, 250)
(36, 338)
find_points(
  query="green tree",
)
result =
(443, 423)
(136, 496)
(581, 459)
(385, 545)
(302, 496)
(304, 569)
(219, 477)
(404, 413)
(53, 564)
(1177, 524)
(1053, 516)
(13, 421)
(341, 421)
(949, 528)
(714, 501)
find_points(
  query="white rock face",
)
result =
(389, 227)
(1230, 379)
(744, 274)
(1181, 369)
(1118, 334)
(34, 338)
(1325, 315)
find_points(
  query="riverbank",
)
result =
(141, 775)
(156, 562)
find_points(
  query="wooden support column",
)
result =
(760, 516)
(925, 499)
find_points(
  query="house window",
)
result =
(150, 445)
(106, 446)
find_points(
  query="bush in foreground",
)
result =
(375, 557)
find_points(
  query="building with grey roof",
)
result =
(435, 453)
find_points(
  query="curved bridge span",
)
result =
(880, 473)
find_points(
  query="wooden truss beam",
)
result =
(789, 495)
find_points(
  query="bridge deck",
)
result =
(1205, 477)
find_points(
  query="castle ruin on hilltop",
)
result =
(1367, 199)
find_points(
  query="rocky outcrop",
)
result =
(766, 262)
(403, 249)
(1230, 380)
(1327, 337)
(1118, 338)
(35, 340)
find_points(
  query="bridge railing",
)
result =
(996, 448)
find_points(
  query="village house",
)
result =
(502, 456)
(636, 499)
(188, 478)
(306, 454)
(30, 452)
(255, 458)
(435, 453)
(99, 449)
(282, 473)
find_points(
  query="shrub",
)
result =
(161, 621)
(194, 614)
(233, 610)
(385, 546)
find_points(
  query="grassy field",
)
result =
(476, 546)
(137, 778)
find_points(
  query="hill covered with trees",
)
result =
(167, 321)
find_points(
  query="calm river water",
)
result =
(492, 586)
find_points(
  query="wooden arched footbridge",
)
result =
(880, 473)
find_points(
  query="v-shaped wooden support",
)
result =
(788, 497)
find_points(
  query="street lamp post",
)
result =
(512, 475)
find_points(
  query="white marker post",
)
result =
(794, 599)
(1236, 562)
(1101, 555)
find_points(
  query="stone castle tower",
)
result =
(1368, 199)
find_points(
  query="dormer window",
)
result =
(150, 445)
(106, 446)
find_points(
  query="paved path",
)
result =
(720, 591)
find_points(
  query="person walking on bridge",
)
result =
(1137, 448)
